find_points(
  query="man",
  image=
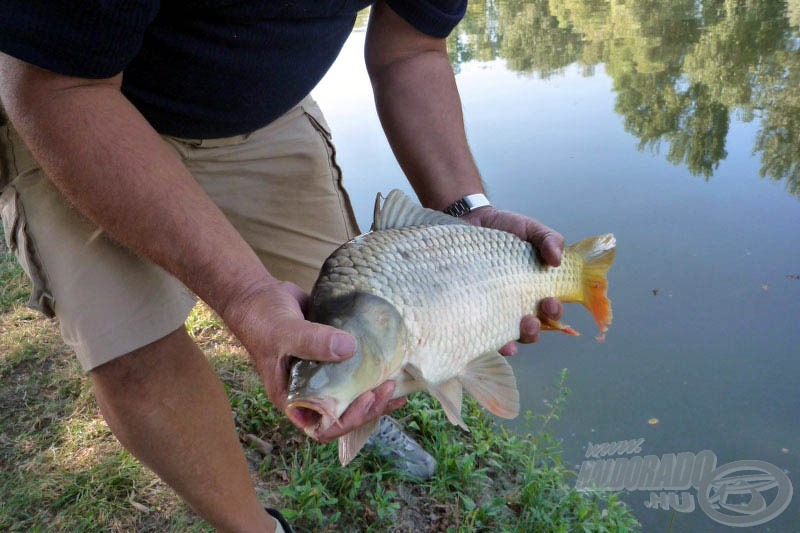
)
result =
(156, 145)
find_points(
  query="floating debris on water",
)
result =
(652, 421)
(784, 450)
(793, 276)
(765, 287)
(655, 292)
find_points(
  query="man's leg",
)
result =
(162, 400)
(166, 406)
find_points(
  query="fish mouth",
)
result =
(312, 414)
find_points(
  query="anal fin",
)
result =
(448, 393)
(554, 325)
(351, 443)
(490, 380)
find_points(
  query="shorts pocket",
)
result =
(317, 120)
(23, 247)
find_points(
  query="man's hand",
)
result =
(548, 243)
(274, 330)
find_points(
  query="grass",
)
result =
(62, 470)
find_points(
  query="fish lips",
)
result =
(307, 405)
(313, 414)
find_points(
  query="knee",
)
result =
(142, 369)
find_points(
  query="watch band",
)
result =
(467, 204)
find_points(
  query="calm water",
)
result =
(676, 126)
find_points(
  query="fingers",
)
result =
(368, 406)
(286, 331)
(298, 294)
(547, 241)
(509, 349)
(552, 308)
(530, 327)
(308, 340)
(397, 403)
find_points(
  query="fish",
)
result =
(430, 299)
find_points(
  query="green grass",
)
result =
(13, 287)
(490, 479)
(62, 470)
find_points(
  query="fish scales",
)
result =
(448, 280)
(430, 299)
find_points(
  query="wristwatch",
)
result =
(467, 204)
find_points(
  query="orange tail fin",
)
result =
(598, 255)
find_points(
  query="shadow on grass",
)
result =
(60, 467)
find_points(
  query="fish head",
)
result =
(320, 392)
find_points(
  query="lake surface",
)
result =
(676, 126)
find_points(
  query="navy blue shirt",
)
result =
(200, 68)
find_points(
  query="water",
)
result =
(654, 121)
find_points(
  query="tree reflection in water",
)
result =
(680, 69)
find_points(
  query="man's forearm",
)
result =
(115, 169)
(420, 109)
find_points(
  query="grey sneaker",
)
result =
(392, 443)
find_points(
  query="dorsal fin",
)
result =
(399, 211)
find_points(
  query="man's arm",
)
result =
(420, 110)
(114, 168)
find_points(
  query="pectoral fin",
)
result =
(490, 380)
(448, 393)
(351, 444)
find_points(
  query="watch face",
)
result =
(475, 201)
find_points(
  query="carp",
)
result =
(430, 299)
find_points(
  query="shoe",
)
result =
(274, 513)
(392, 443)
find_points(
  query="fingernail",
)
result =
(549, 307)
(387, 388)
(343, 345)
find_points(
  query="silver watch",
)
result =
(467, 204)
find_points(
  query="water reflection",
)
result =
(680, 69)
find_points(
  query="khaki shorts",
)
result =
(279, 186)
